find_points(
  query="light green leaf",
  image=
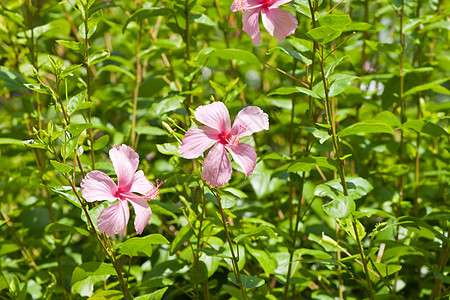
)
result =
(292, 90)
(366, 127)
(75, 102)
(305, 164)
(425, 127)
(98, 56)
(75, 46)
(237, 54)
(324, 34)
(62, 227)
(141, 246)
(291, 53)
(63, 168)
(150, 130)
(335, 21)
(248, 282)
(357, 187)
(340, 207)
(168, 148)
(101, 142)
(256, 233)
(88, 269)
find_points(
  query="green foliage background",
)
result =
(68, 94)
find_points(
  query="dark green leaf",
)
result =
(248, 282)
(145, 13)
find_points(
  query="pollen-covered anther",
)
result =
(154, 192)
(241, 5)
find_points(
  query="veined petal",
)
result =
(141, 184)
(217, 166)
(249, 120)
(97, 186)
(114, 218)
(245, 156)
(250, 21)
(143, 213)
(197, 140)
(278, 3)
(279, 23)
(125, 161)
(214, 115)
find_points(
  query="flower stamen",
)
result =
(152, 193)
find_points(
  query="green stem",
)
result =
(230, 244)
(136, 88)
(363, 258)
(88, 82)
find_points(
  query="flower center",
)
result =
(231, 139)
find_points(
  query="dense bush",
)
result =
(344, 195)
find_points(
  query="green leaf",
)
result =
(340, 207)
(182, 236)
(370, 126)
(150, 130)
(425, 127)
(256, 233)
(305, 164)
(116, 69)
(98, 56)
(101, 142)
(62, 227)
(384, 269)
(11, 141)
(78, 128)
(75, 102)
(435, 86)
(92, 22)
(63, 191)
(324, 34)
(266, 262)
(340, 84)
(168, 148)
(13, 81)
(237, 54)
(145, 13)
(357, 187)
(88, 269)
(335, 21)
(320, 134)
(248, 282)
(6, 248)
(75, 46)
(39, 88)
(63, 168)
(156, 295)
(141, 246)
(107, 295)
(291, 53)
(202, 19)
(227, 201)
(293, 89)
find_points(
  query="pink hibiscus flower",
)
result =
(97, 186)
(217, 165)
(279, 23)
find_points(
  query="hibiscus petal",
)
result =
(245, 156)
(250, 21)
(214, 115)
(217, 166)
(279, 23)
(197, 140)
(278, 3)
(114, 218)
(97, 186)
(125, 161)
(141, 184)
(143, 213)
(249, 120)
